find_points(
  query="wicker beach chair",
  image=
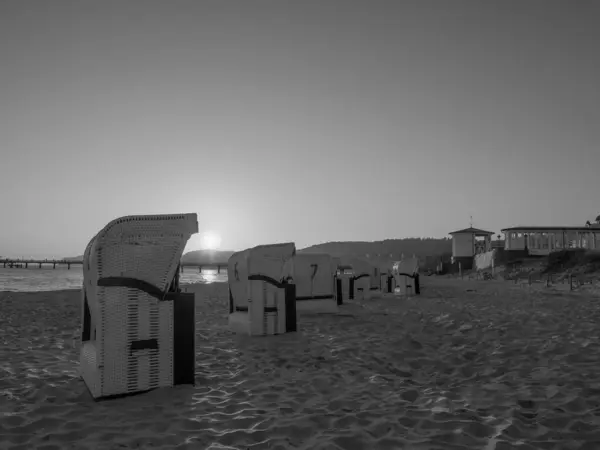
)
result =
(315, 278)
(262, 296)
(406, 275)
(138, 330)
(365, 276)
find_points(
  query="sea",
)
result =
(34, 279)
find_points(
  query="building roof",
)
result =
(475, 231)
(548, 228)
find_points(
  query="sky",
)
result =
(305, 121)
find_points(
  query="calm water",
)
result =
(48, 279)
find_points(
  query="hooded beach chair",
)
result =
(364, 278)
(314, 275)
(138, 330)
(262, 297)
(406, 276)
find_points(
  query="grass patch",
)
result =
(575, 260)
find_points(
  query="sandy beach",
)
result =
(467, 365)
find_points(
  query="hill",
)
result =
(390, 248)
(377, 251)
(73, 258)
(382, 252)
(206, 256)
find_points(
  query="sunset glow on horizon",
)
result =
(210, 240)
(207, 240)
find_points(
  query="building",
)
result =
(469, 242)
(539, 241)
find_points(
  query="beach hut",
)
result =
(262, 298)
(138, 329)
(406, 275)
(467, 243)
(315, 278)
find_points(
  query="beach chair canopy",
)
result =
(359, 266)
(146, 248)
(408, 266)
(140, 250)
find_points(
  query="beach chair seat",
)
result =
(262, 298)
(138, 329)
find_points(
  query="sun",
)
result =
(210, 240)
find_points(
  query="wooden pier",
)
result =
(217, 266)
(24, 263)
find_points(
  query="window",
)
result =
(520, 235)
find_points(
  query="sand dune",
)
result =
(468, 365)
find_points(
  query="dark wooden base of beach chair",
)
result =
(184, 338)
